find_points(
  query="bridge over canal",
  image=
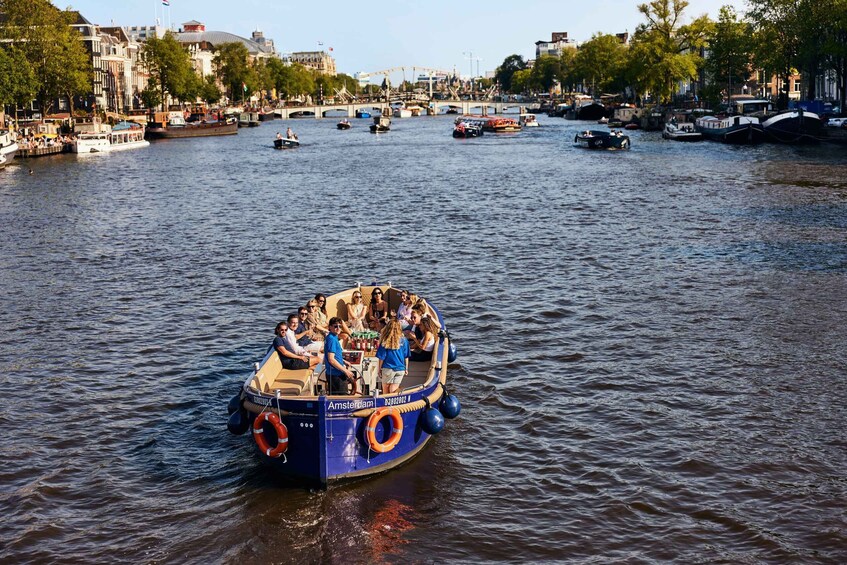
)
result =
(438, 107)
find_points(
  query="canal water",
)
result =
(651, 346)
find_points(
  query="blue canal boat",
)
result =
(310, 437)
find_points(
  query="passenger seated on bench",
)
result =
(304, 332)
(293, 344)
(377, 311)
(393, 354)
(356, 312)
(290, 360)
(337, 370)
(404, 311)
(422, 347)
(319, 329)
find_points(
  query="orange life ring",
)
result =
(281, 434)
(396, 429)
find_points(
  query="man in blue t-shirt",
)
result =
(337, 372)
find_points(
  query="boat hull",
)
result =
(793, 127)
(286, 143)
(601, 140)
(198, 130)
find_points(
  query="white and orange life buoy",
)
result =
(281, 434)
(396, 429)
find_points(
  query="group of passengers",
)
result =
(307, 338)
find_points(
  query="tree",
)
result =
(170, 67)
(53, 49)
(18, 84)
(233, 69)
(600, 62)
(509, 67)
(777, 39)
(834, 48)
(730, 50)
(664, 51)
(546, 71)
(520, 81)
(209, 90)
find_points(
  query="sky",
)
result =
(468, 36)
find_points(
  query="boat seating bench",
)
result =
(272, 376)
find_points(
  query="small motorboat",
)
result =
(594, 139)
(681, 132)
(465, 130)
(632, 125)
(344, 124)
(286, 143)
(528, 120)
(615, 123)
(382, 124)
(603, 121)
(310, 434)
(363, 114)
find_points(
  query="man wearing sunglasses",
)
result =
(337, 370)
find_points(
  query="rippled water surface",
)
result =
(652, 347)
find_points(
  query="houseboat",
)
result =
(310, 436)
(731, 129)
(167, 125)
(793, 126)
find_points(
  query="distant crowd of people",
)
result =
(32, 141)
(309, 337)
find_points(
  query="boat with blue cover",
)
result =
(310, 437)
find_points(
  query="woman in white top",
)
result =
(356, 312)
(404, 311)
(422, 348)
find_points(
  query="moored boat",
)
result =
(8, 147)
(594, 139)
(249, 120)
(402, 112)
(681, 132)
(123, 136)
(793, 126)
(166, 125)
(732, 129)
(308, 435)
(363, 114)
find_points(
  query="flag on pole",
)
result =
(166, 2)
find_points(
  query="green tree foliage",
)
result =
(664, 50)
(834, 46)
(18, 84)
(54, 51)
(600, 63)
(546, 71)
(209, 90)
(777, 40)
(234, 70)
(170, 67)
(521, 81)
(291, 81)
(507, 69)
(730, 50)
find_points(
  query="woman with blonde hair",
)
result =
(393, 354)
(356, 311)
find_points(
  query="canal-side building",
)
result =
(202, 44)
(321, 61)
(555, 47)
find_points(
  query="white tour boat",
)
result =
(125, 135)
